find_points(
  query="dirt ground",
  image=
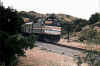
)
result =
(37, 57)
(80, 45)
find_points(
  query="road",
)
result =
(57, 49)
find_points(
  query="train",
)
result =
(48, 30)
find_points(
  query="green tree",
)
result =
(12, 43)
(78, 24)
(10, 21)
(94, 18)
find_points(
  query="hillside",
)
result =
(32, 14)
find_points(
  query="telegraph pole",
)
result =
(1, 3)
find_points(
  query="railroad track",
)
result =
(74, 48)
(59, 48)
(61, 45)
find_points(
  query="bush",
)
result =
(12, 43)
(91, 35)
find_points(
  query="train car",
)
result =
(26, 28)
(47, 30)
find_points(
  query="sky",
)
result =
(78, 8)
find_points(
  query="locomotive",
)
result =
(48, 29)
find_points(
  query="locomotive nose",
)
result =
(56, 29)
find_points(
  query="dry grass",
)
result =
(80, 45)
(37, 57)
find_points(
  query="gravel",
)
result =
(57, 49)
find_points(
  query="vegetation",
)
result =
(78, 24)
(91, 57)
(94, 18)
(12, 43)
(91, 33)
(71, 25)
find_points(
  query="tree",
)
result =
(10, 21)
(78, 24)
(94, 18)
(12, 43)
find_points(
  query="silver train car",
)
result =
(47, 30)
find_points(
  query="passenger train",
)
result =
(48, 30)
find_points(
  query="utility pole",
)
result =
(1, 3)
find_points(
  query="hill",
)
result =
(32, 15)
